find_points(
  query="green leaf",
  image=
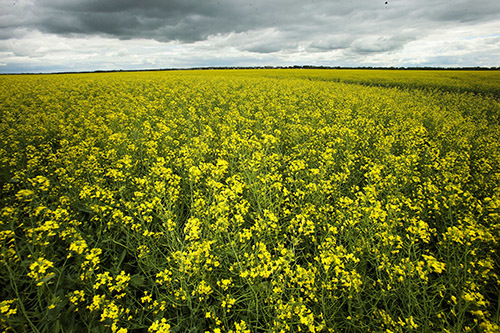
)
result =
(137, 280)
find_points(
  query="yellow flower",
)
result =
(41, 182)
(97, 301)
(433, 263)
(146, 298)
(159, 326)
(77, 297)
(25, 195)
(78, 246)
(8, 307)
(39, 270)
(241, 327)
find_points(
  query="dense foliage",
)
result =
(250, 201)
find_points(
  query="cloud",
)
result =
(194, 20)
(317, 31)
(381, 44)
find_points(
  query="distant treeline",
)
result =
(309, 67)
(273, 67)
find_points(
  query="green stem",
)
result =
(21, 305)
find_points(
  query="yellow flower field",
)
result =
(250, 201)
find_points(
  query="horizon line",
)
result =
(466, 68)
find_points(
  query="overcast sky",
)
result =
(81, 35)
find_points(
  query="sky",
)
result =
(87, 35)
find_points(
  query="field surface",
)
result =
(250, 201)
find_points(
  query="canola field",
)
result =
(250, 201)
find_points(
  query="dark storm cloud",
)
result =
(160, 20)
(314, 21)
(188, 20)
(184, 20)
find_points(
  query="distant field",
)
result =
(250, 201)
